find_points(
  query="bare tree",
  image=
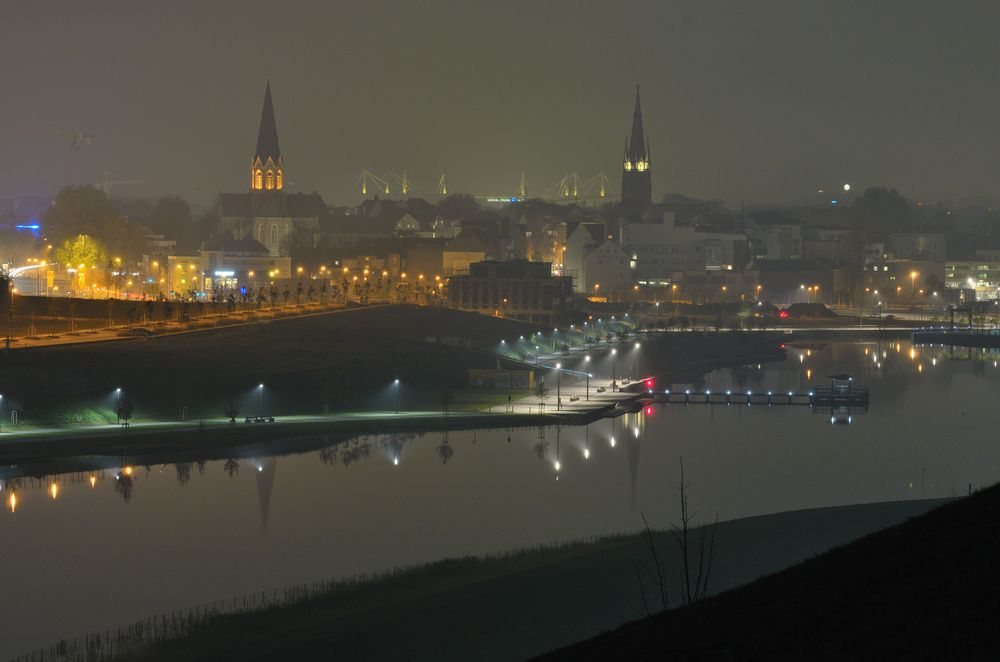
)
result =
(698, 589)
(658, 580)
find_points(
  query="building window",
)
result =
(274, 236)
(280, 180)
(258, 180)
(269, 180)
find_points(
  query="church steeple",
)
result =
(637, 141)
(267, 170)
(636, 180)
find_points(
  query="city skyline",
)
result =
(727, 117)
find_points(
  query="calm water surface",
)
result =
(90, 558)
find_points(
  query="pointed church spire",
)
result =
(267, 168)
(267, 136)
(636, 179)
(637, 143)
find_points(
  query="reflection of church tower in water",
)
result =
(264, 470)
(632, 446)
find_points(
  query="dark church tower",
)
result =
(267, 170)
(637, 192)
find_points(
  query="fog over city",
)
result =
(764, 102)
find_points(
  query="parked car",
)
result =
(259, 419)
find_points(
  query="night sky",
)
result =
(766, 101)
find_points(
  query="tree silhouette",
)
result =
(445, 451)
(124, 486)
(183, 470)
(231, 467)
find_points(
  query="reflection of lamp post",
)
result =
(913, 286)
(614, 365)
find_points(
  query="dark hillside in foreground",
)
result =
(926, 590)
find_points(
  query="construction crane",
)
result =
(366, 176)
(522, 190)
(598, 184)
(442, 186)
(401, 180)
(78, 139)
(107, 183)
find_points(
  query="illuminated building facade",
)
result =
(515, 288)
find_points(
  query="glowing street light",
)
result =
(260, 399)
(396, 386)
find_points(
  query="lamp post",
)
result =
(635, 361)
(260, 399)
(587, 360)
(396, 386)
(558, 386)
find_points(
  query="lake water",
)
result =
(82, 557)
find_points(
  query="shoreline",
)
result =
(481, 598)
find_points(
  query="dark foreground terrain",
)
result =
(926, 589)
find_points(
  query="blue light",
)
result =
(32, 227)
(833, 202)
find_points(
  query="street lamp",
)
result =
(260, 399)
(587, 360)
(558, 386)
(396, 385)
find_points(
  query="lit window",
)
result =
(269, 180)
(274, 235)
(258, 180)
(628, 165)
(280, 180)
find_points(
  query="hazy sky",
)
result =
(764, 100)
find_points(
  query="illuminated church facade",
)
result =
(267, 212)
(637, 191)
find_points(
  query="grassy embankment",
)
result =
(515, 605)
(340, 361)
(923, 590)
(343, 360)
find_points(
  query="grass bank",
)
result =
(922, 590)
(514, 605)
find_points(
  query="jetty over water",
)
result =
(840, 393)
(956, 336)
